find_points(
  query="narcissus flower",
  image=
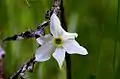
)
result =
(2, 52)
(57, 44)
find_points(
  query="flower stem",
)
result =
(116, 40)
(64, 25)
(68, 65)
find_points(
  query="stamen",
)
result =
(58, 41)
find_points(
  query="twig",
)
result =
(29, 65)
(40, 31)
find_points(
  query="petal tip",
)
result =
(59, 56)
(37, 59)
(39, 41)
(76, 35)
(53, 16)
(85, 52)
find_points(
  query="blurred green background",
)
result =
(94, 20)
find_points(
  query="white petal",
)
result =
(68, 36)
(42, 40)
(72, 47)
(75, 35)
(59, 55)
(44, 52)
(2, 52)
(55, 26)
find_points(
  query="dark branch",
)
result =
(40, 31)
(29, 65)
(55, 8)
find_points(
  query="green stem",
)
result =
(116, 40)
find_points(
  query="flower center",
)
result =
(58, 41)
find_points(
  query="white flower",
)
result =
(58, 43)
(2, 52)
